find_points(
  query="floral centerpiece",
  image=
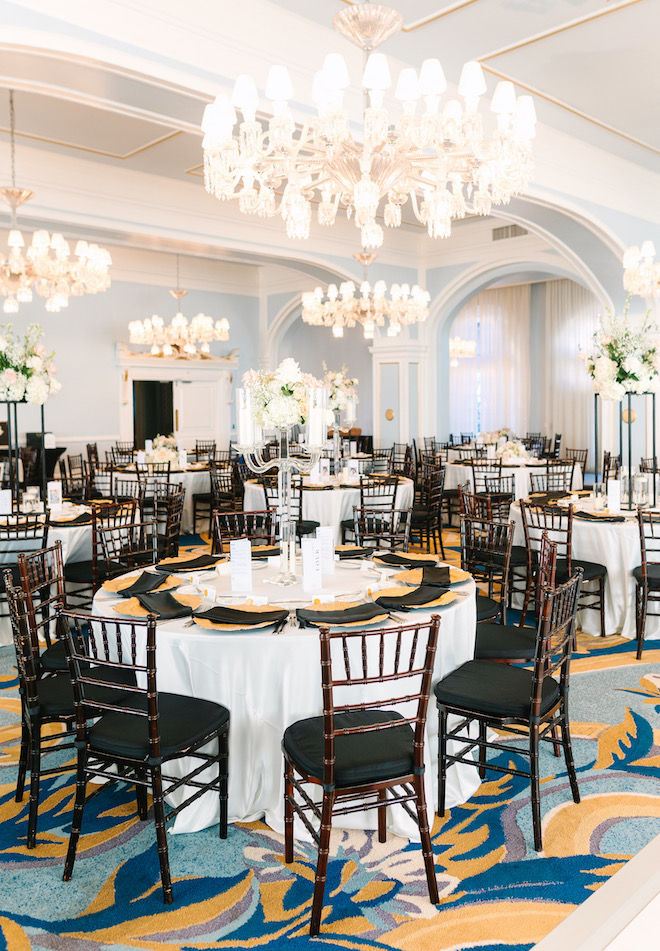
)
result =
(512, 452)
(164, 449)
(493, 436)
(279, 397)
(342, 393)
(27, 371)
(623, 360)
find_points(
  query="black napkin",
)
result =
(591, 517)
(164, 605)
(401, 560)
(436, 576)
(317, 488)
(192, 563)
(415, 598)
(147, 581)
(268, 551)
(83, 519)
(354, 553)
(361, 612)
(225, 615)
(543, 498)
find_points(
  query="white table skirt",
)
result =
(615, 545)
(456, 474)
(330, 506)
(269, 681)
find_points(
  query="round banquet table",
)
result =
(328, 506)
(615, 545)
(269, 681)
(457, 474)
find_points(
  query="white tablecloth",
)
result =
(328, 506)
(269, 681)
(615, 545)
(457, 474)
(194, 481)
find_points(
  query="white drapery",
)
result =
(571, 317)
(493, 389)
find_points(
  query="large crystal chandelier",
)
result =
(45, 266)
(344, 307)
(435, 155)
(460, 349)
(640, 275)
(180, 337)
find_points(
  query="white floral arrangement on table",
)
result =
(164, 449)
(513, 452)
(341, 389)
(27, 371)
(279, 397)
(623, 360)
(493, 436)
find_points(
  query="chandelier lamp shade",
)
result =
(460, 349)
(46, 266)
(640, 274)
(369, 307)
(434, 153)
(181, 337)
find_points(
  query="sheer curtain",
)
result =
(496, 384)
(571, 317)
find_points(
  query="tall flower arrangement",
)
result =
(623, 360)
(341, 389)
(27, 371)
(279, 397)
(163, 449)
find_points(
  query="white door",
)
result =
(195, 407)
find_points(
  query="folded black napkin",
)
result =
(415, 598)
(260, 550)
(196, 563)
(401, 560)
(317, 488)
(226, 615)
(147, 581)
(164, 605)
(361, 612)
(436, 576)
(353, 553)
(83, 519)
(543, 498)
(592, 517)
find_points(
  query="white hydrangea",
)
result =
(36, 390)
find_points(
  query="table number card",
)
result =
(353, 447)
(54, 496)
(614, 496)
(326, 537)
(353, 470)
(5, 502)
(141, 457)
(315, 474)
(311, 564)
(148, 445)
(324, 469)
(183, 458)
(240, 557)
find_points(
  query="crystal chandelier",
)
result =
(343, 307)
(180, 337)
(460, 349)
(436, 156)
(640, 275)
(45, 266)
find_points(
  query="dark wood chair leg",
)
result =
(601, 597)
(568, 757)
(78, 809)
(22, 762)
(223, 767)
(322, 863)
(535, 784)
(161, 834)
(35, 780)
(141, 797)
(425, 837)
(382, 818)
(442, 760)
(288, 812)
(642, 603)
(482, 750)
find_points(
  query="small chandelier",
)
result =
(180, 337)
(45, 267)
(344, 308)
(640, 275)
(438, 158)
(460, 349)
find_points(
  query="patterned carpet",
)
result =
(496, 892)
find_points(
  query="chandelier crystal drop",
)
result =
(369, 307)
(45, 266)
(640, 275)
(434, 154)
(181, 337)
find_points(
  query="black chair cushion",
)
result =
(54, 657)
(307, 526)
(359, 757)
(487, 609)
(80, 572)
(504, 642)
(493, 690)
(183, 721)
(56, 696)
(348, 523)
(203, 497)
(592, 570)
(653, 575)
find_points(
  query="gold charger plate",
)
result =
(118, 584)
(132, 607)
(343, 606)
(248, 606)
(414, 575)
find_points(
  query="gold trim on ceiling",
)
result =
(86, 148)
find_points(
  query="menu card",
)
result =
(183, 458)
(315, 474)
(148, 445)
(311, 564)
(240, 557)
(353, 470)
(6, 501)
(141, 457)
(324, 469)
(353, 447)
(54, 496)
(614, 496)
(326, 536)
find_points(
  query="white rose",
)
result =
(605, 370)
(34, 363)
(36, 390)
